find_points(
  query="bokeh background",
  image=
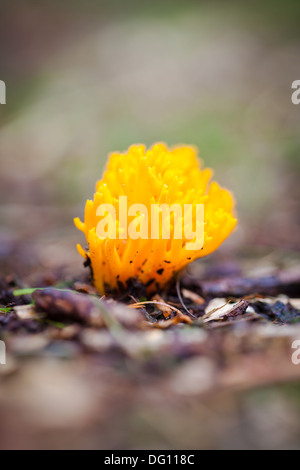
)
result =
(88, 77)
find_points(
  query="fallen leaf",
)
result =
(166, 311)
(197, 299)
(25, 312)
(64, 305)
(218, 311)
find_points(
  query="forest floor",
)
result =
(205, 364)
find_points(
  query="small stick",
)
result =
(181, 299)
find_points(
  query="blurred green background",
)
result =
(87, 78)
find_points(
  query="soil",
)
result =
(205, 364)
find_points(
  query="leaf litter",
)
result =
(133, 343)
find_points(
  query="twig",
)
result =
(181, 299)
(154, 302)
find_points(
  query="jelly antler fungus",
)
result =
(152, 177)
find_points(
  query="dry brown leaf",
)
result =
(179, 318)
(197, 299)
(166, 311)
(25, 312)
(217, 310)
